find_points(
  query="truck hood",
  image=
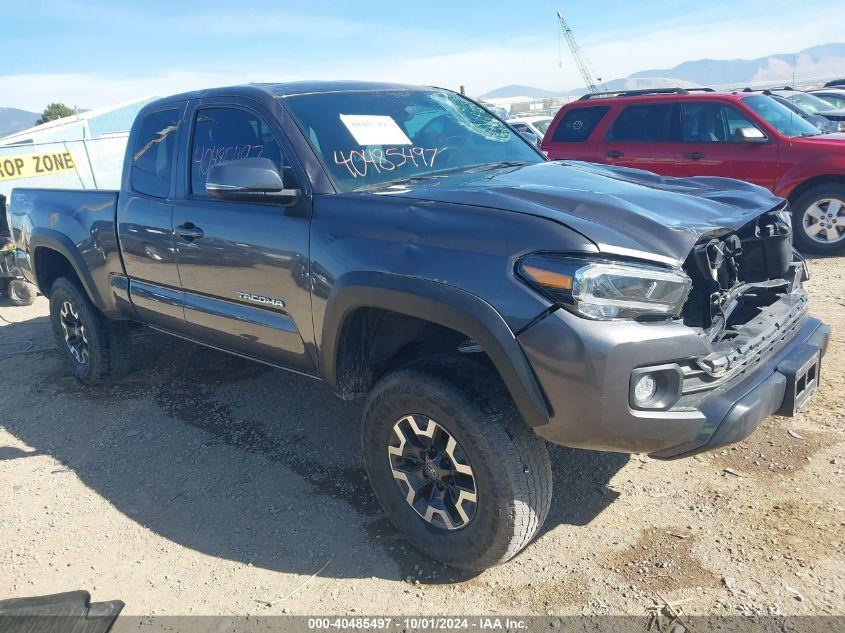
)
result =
(627, 212)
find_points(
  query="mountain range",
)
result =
(13, 120)
(824, 61)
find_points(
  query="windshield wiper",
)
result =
(496, 165)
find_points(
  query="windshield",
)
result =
(371, 138)
(780, 117)
(811, 104)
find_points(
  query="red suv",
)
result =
(699, 132)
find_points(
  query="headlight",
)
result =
(607, 290)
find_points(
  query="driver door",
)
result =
(243, 266)
(710, 146)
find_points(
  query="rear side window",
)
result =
(577, 124)
(645, 123)
(226, 134)
(152, 157)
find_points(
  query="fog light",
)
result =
(656, 388)
(644, 389)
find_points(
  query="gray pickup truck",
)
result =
(404, 245)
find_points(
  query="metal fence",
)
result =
(95, 163)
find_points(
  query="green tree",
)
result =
(54, 111)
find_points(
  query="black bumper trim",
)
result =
(749, 410)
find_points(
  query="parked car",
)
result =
(834, 96)
(814, 105)
(403, 245)
(535, 124)
(836, 83)
(683, 132)
(824, 124)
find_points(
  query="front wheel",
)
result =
(819, 220)
(96, 348)
(452, 464)
(21, 293)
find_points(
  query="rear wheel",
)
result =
(96, 347)
(21, 293)
(819, 220)
(453, 465)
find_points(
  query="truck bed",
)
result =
(79, 224)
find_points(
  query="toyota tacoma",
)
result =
(404, 245)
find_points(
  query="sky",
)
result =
(90, 53)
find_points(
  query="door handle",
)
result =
(694, 155)
(614, 153)
(189, 232)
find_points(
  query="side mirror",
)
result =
(750, 134)
(249, 180)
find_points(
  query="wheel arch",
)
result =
(804, 186)
(441, 305)
(52, 255)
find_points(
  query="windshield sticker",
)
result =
(370, 129)
(360, 162)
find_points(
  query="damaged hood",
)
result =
(623, 211)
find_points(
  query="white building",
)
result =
(81, 151)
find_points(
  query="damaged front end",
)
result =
(747, 300)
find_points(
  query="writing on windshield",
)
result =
(367, 138)
(362, 162)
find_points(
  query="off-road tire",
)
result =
(803, 242)
(509, 462)
(107, 341)
(21, 293)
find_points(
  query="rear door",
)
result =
(144, 219)
(243, 265)
(642, 136)
(709, 145)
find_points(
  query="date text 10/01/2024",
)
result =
(360, 162)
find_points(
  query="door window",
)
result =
(649, 123)
(711, 123)
(152, 157)
(226, 134)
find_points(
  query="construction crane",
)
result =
(587, 70)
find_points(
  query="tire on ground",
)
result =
(108, 344)
(803, 241)
(21, 293)
(510, 463)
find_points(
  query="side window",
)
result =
(152, 157)
(225, 134)
(577, 124)
(735, 121)
(710, 123)
(651, 123)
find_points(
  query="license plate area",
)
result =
(801, 370)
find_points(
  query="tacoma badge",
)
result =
(248, 296)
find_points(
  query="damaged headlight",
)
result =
(607, 290)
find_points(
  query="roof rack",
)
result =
(646, 91)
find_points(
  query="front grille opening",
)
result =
(736, 276)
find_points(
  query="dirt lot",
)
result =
(206, 484)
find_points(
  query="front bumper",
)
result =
(585, 369)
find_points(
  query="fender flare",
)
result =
(441, 304)
(62, 244)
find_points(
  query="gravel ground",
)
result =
(206, 484)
